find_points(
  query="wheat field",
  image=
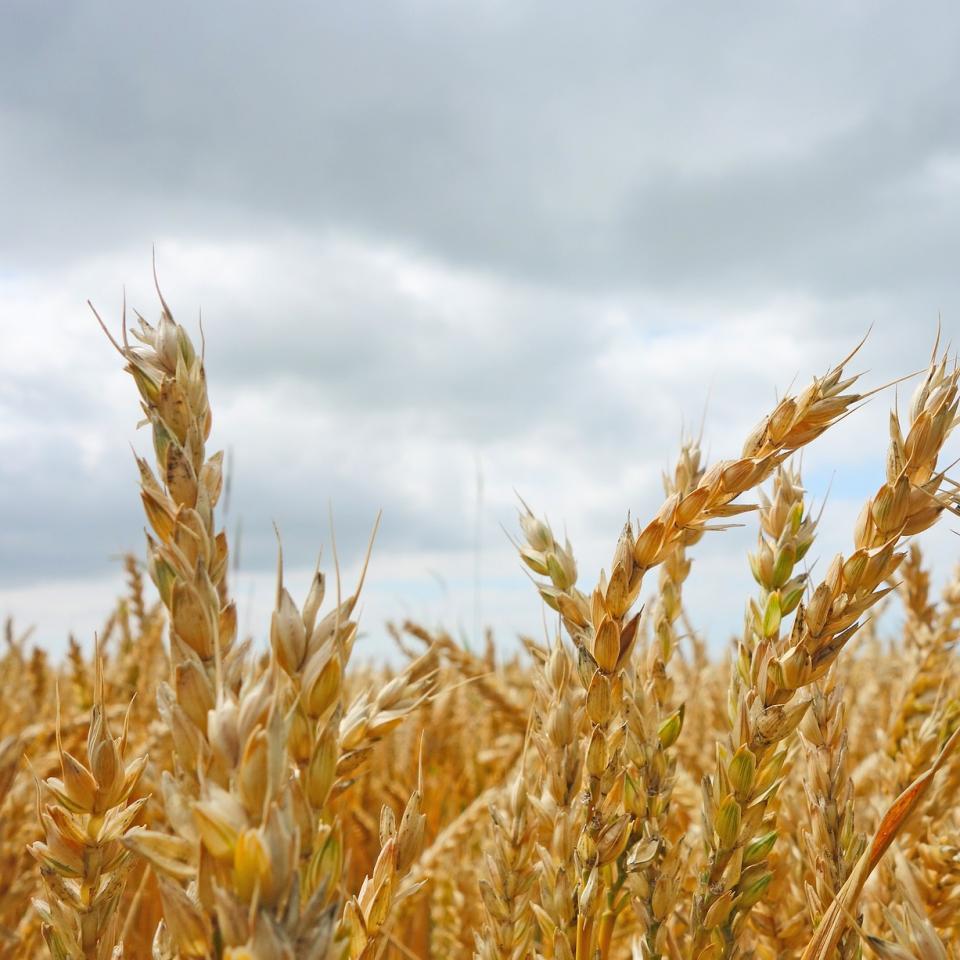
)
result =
(616, 790)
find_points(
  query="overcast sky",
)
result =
(446, 251)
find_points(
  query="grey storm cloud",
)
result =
(631, 144)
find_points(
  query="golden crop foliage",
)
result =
(611, 793)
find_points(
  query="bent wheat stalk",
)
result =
(769, 709)
(605, 634)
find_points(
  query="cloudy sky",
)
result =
(449, 251)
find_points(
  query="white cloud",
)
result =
(365, 377)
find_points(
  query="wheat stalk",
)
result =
(86, 814)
